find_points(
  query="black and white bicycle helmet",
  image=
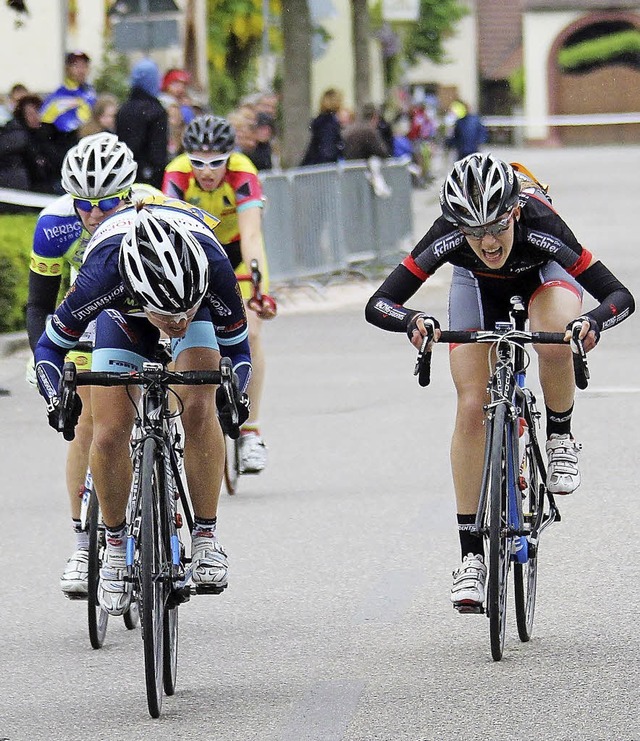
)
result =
(98, 166)
(163, 266)
(479, 189)
(209, 134)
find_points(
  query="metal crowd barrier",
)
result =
(327, 218)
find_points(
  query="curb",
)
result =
(13, 342)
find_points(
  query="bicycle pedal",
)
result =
(178, 597)
(468, 608)
(209, 589)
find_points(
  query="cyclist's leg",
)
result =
(556, 302)
(74, 577)
(204, 452)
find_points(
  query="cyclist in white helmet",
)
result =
(502, 236)
(150, 268)
(98, 175)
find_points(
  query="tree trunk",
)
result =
(296, 91)
(360, 32)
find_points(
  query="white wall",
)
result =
(461, 69)
(540, 30)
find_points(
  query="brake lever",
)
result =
(226, 381)
(579, 355)
(422, 367)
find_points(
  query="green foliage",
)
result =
(437, 21)
(516, 83)
(16, 232)
(114, 74)
(603, 49)
(234, 43)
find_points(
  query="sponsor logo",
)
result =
(217, 305)
(448, 243)
(63, 329)
(544, 241)
(615, 319)
(53, 232)
(122, 364)
(88, 309)
(389, 309)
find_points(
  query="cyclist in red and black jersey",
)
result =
(503, 237)
(223, 182)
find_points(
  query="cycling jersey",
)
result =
(68, 107)
(240, 189)
(540, 237)
(58, 238)
(99, 286)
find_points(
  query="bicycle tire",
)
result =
(152, 589)
(499, 551)
(170, 638)
(525, 575)
(132, 616)
(231, 465)
(98, 618)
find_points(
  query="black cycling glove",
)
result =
(593, 325)
(411, 325)
(224, 412)
(72, 416)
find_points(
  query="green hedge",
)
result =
(16, 234)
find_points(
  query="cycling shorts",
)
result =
(124, 342)
(479, 301)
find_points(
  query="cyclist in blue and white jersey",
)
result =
(149, 268)
(98, 174)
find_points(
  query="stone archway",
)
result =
(614, 88)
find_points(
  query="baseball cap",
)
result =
(175, 75)
(72, 56)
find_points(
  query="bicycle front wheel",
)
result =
(152, 577)
(499, 548)
(525, 575)
(98, 618)
(170, 638)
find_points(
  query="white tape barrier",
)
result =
(587, 119)
(25, 198)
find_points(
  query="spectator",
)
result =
(385, 130)
(28, 160)
(174, 90)
(243, 120)
(69, 107)
(362, 139)
(261, 155)
(326, 143)
(6, 111)
(469, 133)
(103, 116)
(142, 123)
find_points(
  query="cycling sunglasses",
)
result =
(167, 316)
(214, 163)
(495, 228)
(104, 204)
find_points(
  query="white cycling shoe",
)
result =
(253, 453)
(467, 592)
(209, 564)
(563, 474)
(74, 579)
(114, 593)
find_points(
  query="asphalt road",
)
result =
(337, 624)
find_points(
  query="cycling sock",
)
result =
(116, 536)
(250, 427)
(470, 541)
(82, 536)
(558, 423)
(204, 527)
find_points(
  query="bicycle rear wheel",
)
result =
(525, 575)
(499, 542)
(98, 618)
(152, 578)
(231, 464)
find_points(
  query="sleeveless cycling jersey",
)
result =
(240, 189)
(99, 286)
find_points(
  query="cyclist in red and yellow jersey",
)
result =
(214, 177)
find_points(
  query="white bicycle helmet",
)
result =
(163, 266)
(98, 166)
(478, 190)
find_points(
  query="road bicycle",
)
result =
(232, 465)
(515, 505)
(91, 522)
(158, 566)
